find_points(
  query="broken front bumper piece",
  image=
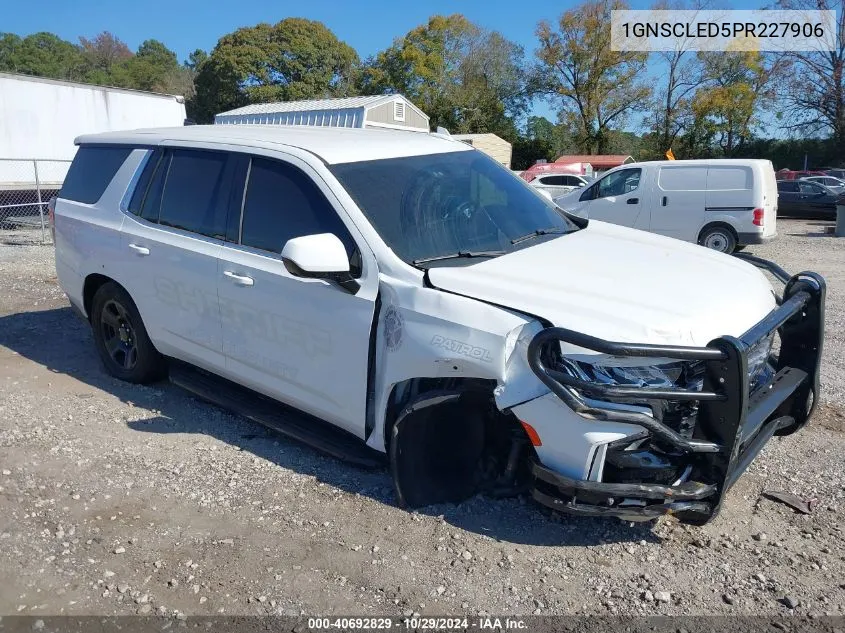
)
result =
(686, 469)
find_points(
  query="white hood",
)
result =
(622, 285)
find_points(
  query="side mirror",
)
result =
(545, 193)
(320, 256)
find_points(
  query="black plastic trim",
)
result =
(748, 239)
(765, 264)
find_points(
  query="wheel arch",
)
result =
(718, 223)
(446, 441)
(90, 286)
(722, 224)
(424, 391)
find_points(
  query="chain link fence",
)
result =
(26, 186)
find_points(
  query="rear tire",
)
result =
(718, 238)
(121, 338)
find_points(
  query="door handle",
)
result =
(241, 280)
(141, 250)
(633, 201)
(664, 201)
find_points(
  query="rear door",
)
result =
(173, 233)
(302, 341)
(731, 196)
(617, 197)
(680, 198)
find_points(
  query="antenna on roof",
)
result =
(443, 131)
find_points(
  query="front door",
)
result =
(302, 341)
(617, 198)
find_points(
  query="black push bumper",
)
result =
(731, 424)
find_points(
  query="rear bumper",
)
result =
(730, 427)
(748, 239)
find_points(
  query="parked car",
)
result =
(836, 173)
(801, 198)
(720, 204)
(836, 185)
(400, 297)
(788, 174)
(559, 184)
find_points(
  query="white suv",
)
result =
(559, 184)
(396, 296)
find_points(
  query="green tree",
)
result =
(293, 59)
(557, 136)
(597, 88)
(196, 59)
(735, 87)
(152, 68)
(42, 54)
(465, 78)
(9, 50)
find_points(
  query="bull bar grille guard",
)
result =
(732, 425)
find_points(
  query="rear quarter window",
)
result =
(91, 172)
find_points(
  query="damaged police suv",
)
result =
(397, 296)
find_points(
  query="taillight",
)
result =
(759, 215)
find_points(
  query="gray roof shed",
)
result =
(377, 111)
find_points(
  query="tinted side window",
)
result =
(143, 184)
(282, 203)
(555, 180)
(91, 172)
(192, 199)
(151, 204)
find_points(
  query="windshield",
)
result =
(436, 206)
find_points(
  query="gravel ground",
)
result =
(118, 499)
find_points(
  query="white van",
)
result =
(721, 204)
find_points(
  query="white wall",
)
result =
(40, 119)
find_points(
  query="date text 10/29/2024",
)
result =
(417, 623)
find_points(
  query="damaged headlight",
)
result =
(760, 371)
(685, 375)
(674, 374)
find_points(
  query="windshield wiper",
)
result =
(538, 233)
(459, 254)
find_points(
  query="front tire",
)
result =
(121, 338)
(435, 450)
(718, 238)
